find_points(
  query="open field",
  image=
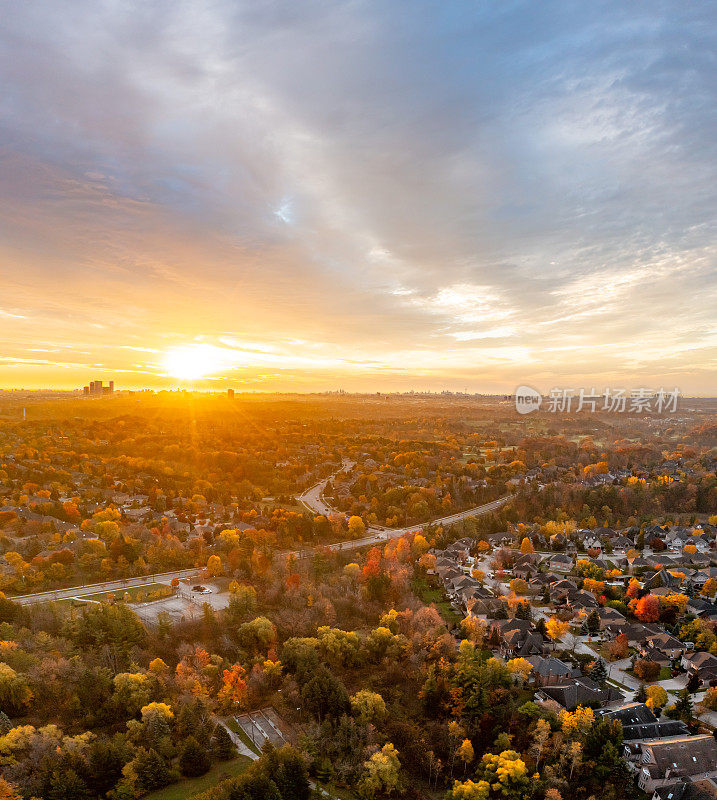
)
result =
(187, 788)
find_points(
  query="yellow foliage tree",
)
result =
(556, 629)
(577, 722)
(656, 697)
(214, 566)
(520, 668)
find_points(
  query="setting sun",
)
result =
(191, 362)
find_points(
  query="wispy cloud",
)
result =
(359, 194)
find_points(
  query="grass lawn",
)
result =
(436, 596)
(665, 674)
(338, 791)
(120, 593)
(188, 787)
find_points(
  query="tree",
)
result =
(656, 697)
(578, 721)
(523, 611)
(147, 771)
(710, 699)
(381, 772)
(257, 636)
(683, 706)
(526, 546)
(8, 791)
(233, 691)
(556, 629)
(619, 647)
(324, 695)
(222, 745)
(541, 734)
(574, 756)
(520, 668)
(214, 566)
(469, 790)
(114, 626)
(709, 588)
(15, 694)
(648, 608)
(357, 527)
(506, 772)
(593, 622)
(519, 586)
(132, 691)
(598, 672)
(466, 753)
(368, 706)
(288, 771)
(646, 670)
(242, 599)
(194, 759)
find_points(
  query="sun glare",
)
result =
(191, 362)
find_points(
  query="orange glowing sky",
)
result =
(346, 195)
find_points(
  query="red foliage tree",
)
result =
(648, 608)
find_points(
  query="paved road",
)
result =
(107, 586)
(379, 534)
(311, 498)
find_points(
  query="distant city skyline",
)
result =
(367, 196)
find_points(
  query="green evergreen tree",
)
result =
(593, 622)
(194, 759)
(5, 723)
(222, 744)
(598, 672)
(151, 770)
(683, 706)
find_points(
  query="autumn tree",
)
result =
(656, 696)
(556, 629)
(647, 608)
(466, 753)
(357, 527)
(368, 706)
(15, 694)
(646, 670)
(381, 773)
(214, 566)
(520, 668)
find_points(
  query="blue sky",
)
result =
(367, 195)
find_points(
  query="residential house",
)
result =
(576, 692)
(640, 724)
(666, 761)
(637, 633)
(663, 649)
(550, 671)
(610, 616)
(703, 665)
(560, 562)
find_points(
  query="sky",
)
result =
(370, 196)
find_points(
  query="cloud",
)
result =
(483, 191)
